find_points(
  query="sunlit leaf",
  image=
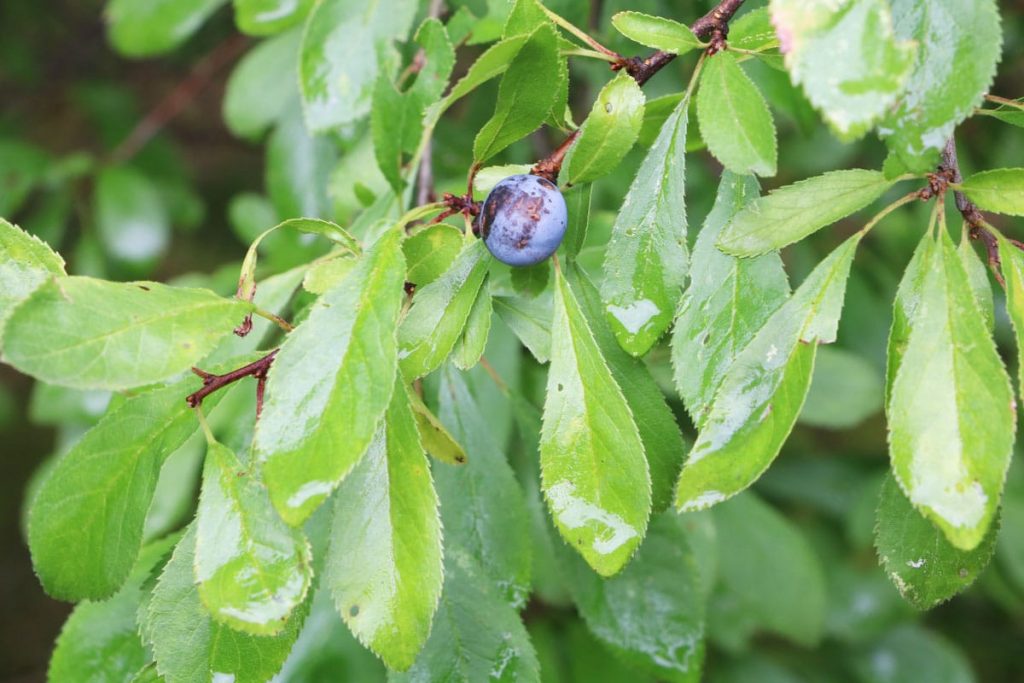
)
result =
(657, 32)
(430, 252)
(470, 346)
(331, 382)
(25, 263)
(1000, 190)
(608, 133)
(594, 475)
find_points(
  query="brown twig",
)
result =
(714, 26)
(212, 383)
(179, 98)
(950, 169)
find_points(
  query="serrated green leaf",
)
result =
(846, 57)
(959, 45)
(792, 212)
(470, 346)
(143, 29)
(345, 46)
(266, 17)
(430, 252)
(323, 276)
(190, 647)
(1012, 267)
(921, 563)
(131, 218)
(384, 564)
(396, 118)
(26, 262)
(1000, 190)
(92, 334)
(762, 392)
(659, 432)
(951, 416)
(734, 118)
(476, 636)
(331, 382)
(770, 570)
(87, 519)
(651, 614)
(262, 83)
(977, 275)
(593, 471)
(532, 280)
(530, 320)
(252, 569)
(436, 439)
(524, 17)
(608, 133)
(646, 262)
(493, 62)
(905, 305)
(1010, 115)
(657, 32)
(521, 106)
(727, 302)
(439, 312)
(100, 640)
(753, 31)
(482, 506)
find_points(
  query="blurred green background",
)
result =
(126, 166)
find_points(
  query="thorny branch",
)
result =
(212, 383)
(713, 26)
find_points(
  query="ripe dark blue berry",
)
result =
(523, 220)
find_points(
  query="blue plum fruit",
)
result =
(523, 220)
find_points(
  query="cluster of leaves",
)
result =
(329, 496)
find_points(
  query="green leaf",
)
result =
(143, 29)
(532, 280)
(130, 215)
(482, 507)
(100, 640)
(489, 176)
(1012, 267)
(189, 646)
(323, 276)
(577, 202)
(910, 654)
(521, 106)
(727, 302)
(93, 334)
(476, 636)
(524, 17)
(436, 439)
(310, 226)
(959, 45)
(659, 432)
(922, 564)
(266, 17)
(384, 565)
(657, 32)
(770, 570)
(493, 62)
(905, 305)
(260, 87)
(652, 613)
(470, 346)
(1000, 190)
(846, 57)
(762, 392)
(345, 46)
(734, 118)
(646, 261)
(530, 320)
(753, 31)
(846, 389)
(26, 262)
(594, 474)
(331, 382)
(396, 118)
(951, 415)
(430, 252)
(977, 275)
(86, 521)
(1010, 115)
(439, 312)
(790, 213)
(252, 569)
(608, 133)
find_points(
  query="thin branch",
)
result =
(179, 98)
(212, 383)
(714, 25)
(979, 228)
